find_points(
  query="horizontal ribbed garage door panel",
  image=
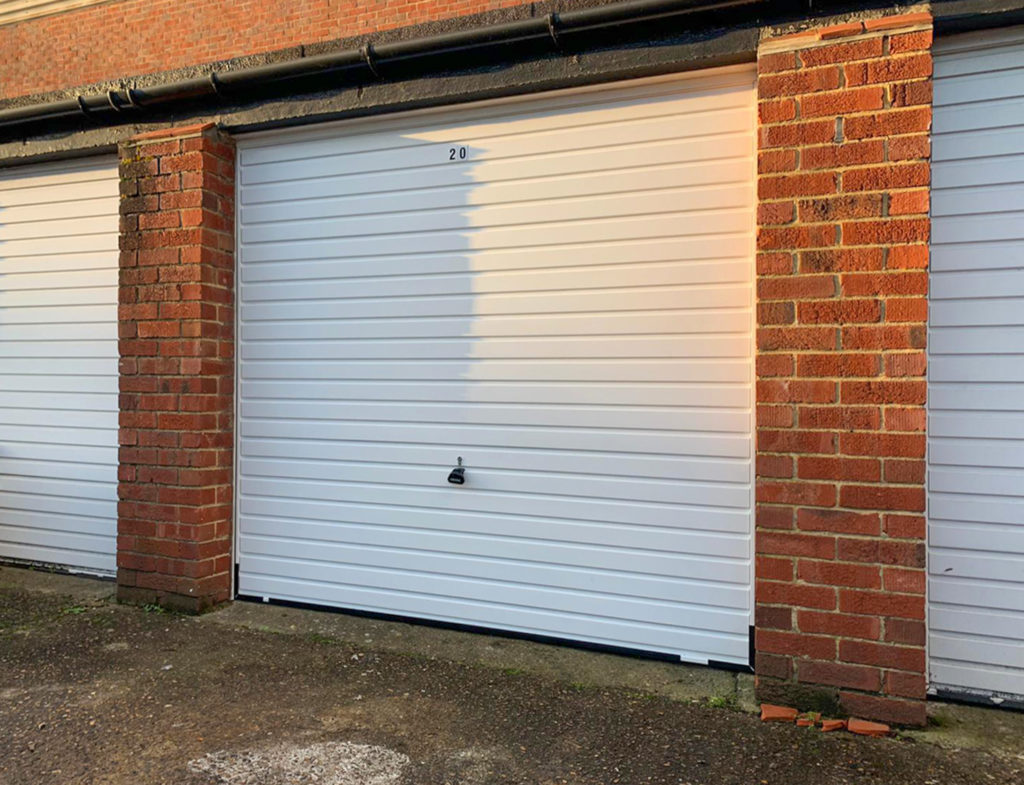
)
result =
(957, 507)
(979, 201)
(647, 323)
(63, 504)
(606, 509)
(45, 227)
(69, 279)
(42, 366)
(998, 171)
(505, 371)
(986, 680)
(96, 331)
(463, 413)
(659, 491)
(96, 402)
(55, 263)
(997, 539)
(693, 444)
(69, 470)
(657, 299)
(619, 276)
(979, 284)
(964, 622)
(979, 368)
(58, 485)
(61, 244)
(1005, 112)
(971, 594)
(80, 555)
(996, 312)
(58, 352)
(979, 396)
(675, 249)
(978, 228)
(58, 349)
(559, 588)
(58, 418)
(969, 145)
(599, 229)
(14, 300)
(47, 316)
(697, 518)
(585, 569)
(584, 109)
(35, 537)
(51, 525)
(1005, 653)
(68, 385)
(506, 200)
(366, 221)
(698, 161)
(556, 348)
(977, 340)
(977, 565)
(607, 393)
(534, 539)
(965, 56)
(568, 309)
(407, 149)
(979, 425)
(987, 481)
(511, 459)
(689, 644)
(976, 367)
(64, 216)
(507, 161)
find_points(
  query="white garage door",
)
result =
(558, 291)
(976, 367)
(58, 355)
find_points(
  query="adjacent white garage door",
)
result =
(558, 291)
(58, 364)
(976, 367)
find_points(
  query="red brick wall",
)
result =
(842, 286)
(177, 368)
(131, 37)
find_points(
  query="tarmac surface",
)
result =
(95, 692)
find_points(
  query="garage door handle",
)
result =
(458, 475)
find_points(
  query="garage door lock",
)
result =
(458, 474)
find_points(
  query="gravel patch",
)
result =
(328, 763)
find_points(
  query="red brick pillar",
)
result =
(842, 300)
(177, 368)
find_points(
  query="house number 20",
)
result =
(456, 153)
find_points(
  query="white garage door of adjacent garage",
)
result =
(58, 364)
(976, 367)
(556, 289)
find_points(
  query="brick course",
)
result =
(176, 324)
(134, 37)
(842, 288)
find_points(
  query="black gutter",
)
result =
(365, 64)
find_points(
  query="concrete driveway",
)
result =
(93, 692)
